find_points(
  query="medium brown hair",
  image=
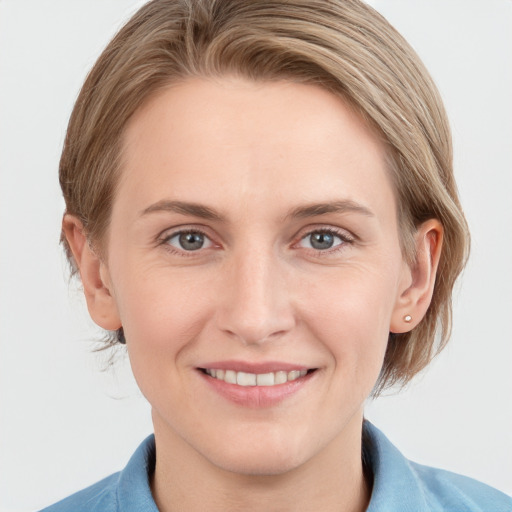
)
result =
(342, 45)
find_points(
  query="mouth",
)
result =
(246, 379)
(257, 385)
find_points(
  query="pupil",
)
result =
(322, 240)
(191, 241)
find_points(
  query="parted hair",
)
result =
(344, 46)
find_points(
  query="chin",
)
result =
(260, 458)
(261, 464)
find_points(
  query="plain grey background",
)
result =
(65, 424)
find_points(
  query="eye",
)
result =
(322, 240)
(189, 241)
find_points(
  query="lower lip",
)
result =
(256, 396)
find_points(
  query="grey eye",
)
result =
(189, 241)
(321, 240)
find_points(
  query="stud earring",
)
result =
(407, 318)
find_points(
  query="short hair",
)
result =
(344, 46)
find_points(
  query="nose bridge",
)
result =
(256, 305)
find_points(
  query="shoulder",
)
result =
(402, 485)
(126, 491)
(448, 491)
(98, 497)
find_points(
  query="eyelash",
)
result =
(342, 235)
(345, 238)
(164, 241)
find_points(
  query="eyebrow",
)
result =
(185, 208)
(341, 206)
(301, 212)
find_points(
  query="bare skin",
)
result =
(255, 226)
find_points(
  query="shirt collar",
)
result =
(396, 487)
(133, 490)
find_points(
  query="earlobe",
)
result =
(94, 275)
(413, 301)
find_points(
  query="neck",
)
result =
(332, 480)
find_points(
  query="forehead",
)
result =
(243, 138)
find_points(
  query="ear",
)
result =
(94, 275)
(419, 279)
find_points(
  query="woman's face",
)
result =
(254, 238)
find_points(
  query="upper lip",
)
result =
(255, 367)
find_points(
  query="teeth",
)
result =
(280, 377)
(253, 379)
(294, 374)
(229, 376)
(246, 379)
(265, 379)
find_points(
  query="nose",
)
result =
(255, 304)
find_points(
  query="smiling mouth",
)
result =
(256, 379)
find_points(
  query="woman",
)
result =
(260, 203)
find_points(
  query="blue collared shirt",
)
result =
(398, 485)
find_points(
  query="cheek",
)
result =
(162, 311)
(163, 319)
(350, 312)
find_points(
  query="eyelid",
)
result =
(167, 233)
(326, 228)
